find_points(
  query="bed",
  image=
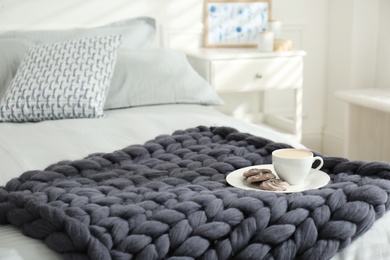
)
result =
(134, 167)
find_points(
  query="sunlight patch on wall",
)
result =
(49, 14)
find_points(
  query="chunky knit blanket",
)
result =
(168, 199)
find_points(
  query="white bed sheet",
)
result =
(31, 146)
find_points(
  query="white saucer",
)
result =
(316, 179)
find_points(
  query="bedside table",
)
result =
(246, 70)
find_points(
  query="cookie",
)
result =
(274, 185)
(260, 177)
(255, 171)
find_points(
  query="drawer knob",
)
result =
(259, 76)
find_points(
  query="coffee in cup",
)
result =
(294, 165)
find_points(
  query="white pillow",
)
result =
(157, 76)
(137, 33)
(62, 80)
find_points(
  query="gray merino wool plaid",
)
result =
(168, 199)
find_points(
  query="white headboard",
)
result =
(59, 14)
(181, 38)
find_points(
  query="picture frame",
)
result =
(235, 23)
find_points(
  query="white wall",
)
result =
(383, 62)
(32, 14)
(313, 15)
(355, 30)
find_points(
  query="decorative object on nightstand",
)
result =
(266, 41)
(280, 44)
(283, 45)
(243, 24)
(276, 27)
(248, 71)
(235, 23)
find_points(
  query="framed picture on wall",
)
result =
(235, 23)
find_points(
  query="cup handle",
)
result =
(321, 161)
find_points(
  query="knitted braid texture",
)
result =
(168, 199)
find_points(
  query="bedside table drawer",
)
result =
(256, 74)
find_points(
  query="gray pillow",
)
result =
(157, 76)
(137, 33)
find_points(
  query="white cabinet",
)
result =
(239, 70)
(367, 135)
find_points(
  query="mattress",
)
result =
(31, 146)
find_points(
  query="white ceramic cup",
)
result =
(294, 165)
(276, 27)
(266, 41)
